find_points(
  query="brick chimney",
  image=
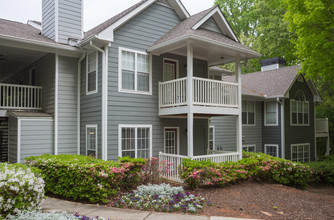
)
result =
(62, 20)
(272, 63)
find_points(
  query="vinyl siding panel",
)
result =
(299, 134)
(67, 105)
(211, 25)
(36, 137)
(91, 108)
(125, 108)
(12, 139)
(69, 20)
(49, 19)
(225, 132)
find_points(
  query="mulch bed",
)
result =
(269, 201)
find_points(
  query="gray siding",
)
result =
(225, 132)
(124, 108)
(252, 135)
(69, 20)
(48, 19)
(12, 139)
(272, 134)
(165, 2)
(299, 134)
(36, 137)
(67, 105)
(211, 25)
(3, 139)
(91, 108)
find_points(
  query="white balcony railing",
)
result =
(206, 92)
(20, 96)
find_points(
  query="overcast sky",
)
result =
(95, 11)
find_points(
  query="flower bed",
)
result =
(261, 166)
(85, 178)
(163, 198)
(20, 189)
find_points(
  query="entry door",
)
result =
(170, 70)
(171, 141)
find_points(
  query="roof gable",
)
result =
(217, 15)
(211, 25)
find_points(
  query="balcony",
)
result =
(20, 97)
(321, 127)
(209, 97)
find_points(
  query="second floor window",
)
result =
(248, 112)
(299, 110)
(271, 113)
(135, 72)
(92, 73)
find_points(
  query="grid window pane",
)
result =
(128, 60)
(143, 82)
(248, 112)
(272, 150)
(300, 153)
(271, 113)
(299, 112)
(135, 142)
(128, 80)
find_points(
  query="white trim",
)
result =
(177, 136)
(135, 91)
(35, 119)
(308, 120)
(221, 16)
(56, 20)
(172, 60)
(96, 139)
(271, 145)
(265, 114)
(79, 103)
(180, 10)
(282, 131)
(248, 146)
(239, 120)
(105, 105)
(297, 145)
(56, 106)
(249, 125)
(18, 140)
(96, 75)
(213, 137)
(120, 126)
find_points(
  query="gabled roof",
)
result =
(20, 30)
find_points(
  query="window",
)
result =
(249, 148)
(91, 140)
(271, 149)
(271, 113)
(299, 108)
(92, 73)
(248, 112)
(212, 138)
(135, 141)
(134, 72)
(300, 152)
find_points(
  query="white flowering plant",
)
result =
(20, 189)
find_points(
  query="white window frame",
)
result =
(248, 146)
(96, 140)
(135, 91)
(120, 126)
(291, 124)
(213, 137)
(271, 145)
(96, 75)
(297, 145)
(265, 114)
(246, 125)
(177, 136)
(177, 67)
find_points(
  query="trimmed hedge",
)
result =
(20, 189)
(85, 178)
(324, 169)
(260, 166)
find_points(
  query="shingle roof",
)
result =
(107, 23)
(20, 30)
(271, 83)
(185, 28)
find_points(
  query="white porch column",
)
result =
(239, 119)
(190, 118)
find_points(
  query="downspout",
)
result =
(104, 123)
(281, 102)
(79, 101)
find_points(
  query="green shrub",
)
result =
(20, 189)
(85, 178)
(260, 166)
(324, 169)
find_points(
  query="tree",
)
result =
(313, 23)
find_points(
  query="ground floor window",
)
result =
(135, 141)
(300, 152)
(249, 148)
(271, 149)
(91, 140)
